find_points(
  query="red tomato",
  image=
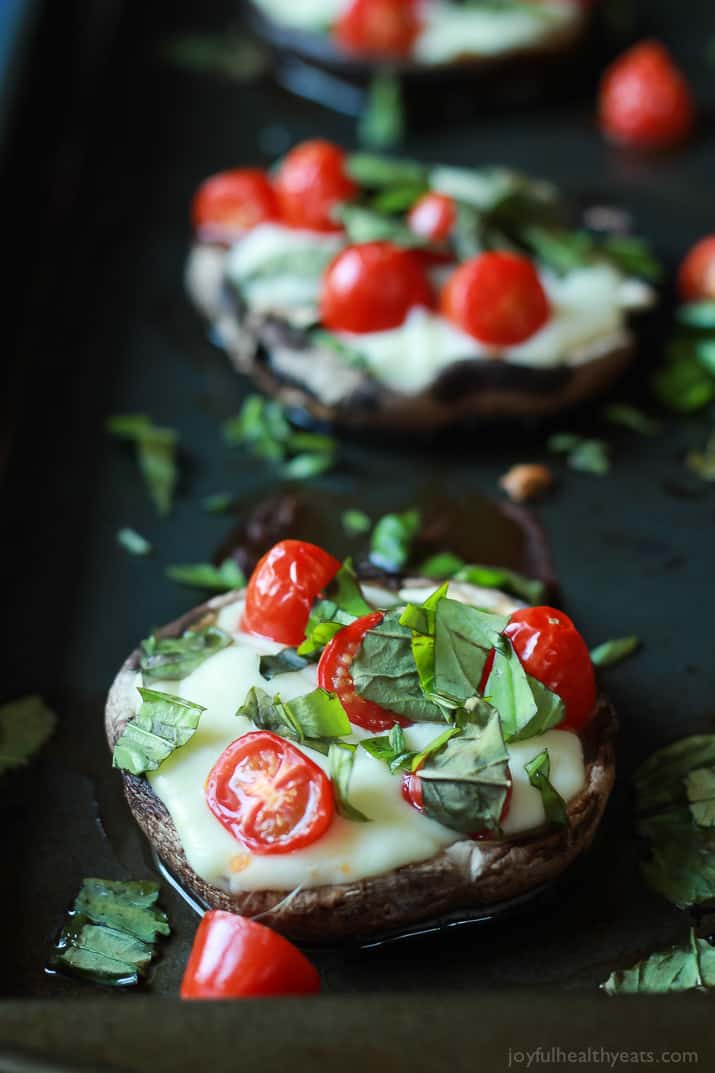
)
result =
(432, 216)
(380, 27)
(269, 795)
(334, 675)
(234, 957)
(311, 181)
(496, 297)
(645, 99)
(372, 287)
(282, 588)
(229, 204)
(412, 793)
(552, 650)
(696, 278)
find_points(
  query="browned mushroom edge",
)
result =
(466, 875)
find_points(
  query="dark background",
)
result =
(108, 144)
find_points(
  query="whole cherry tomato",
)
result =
(645, 100)
(235, 957)
(334, 675)
(229, 204)
(269, 795)
(282, 588)
(432, 216)
(311, 181)
(496, 297)
(378, 27)
(696, 278)
(372, 287)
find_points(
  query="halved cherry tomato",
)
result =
(229, 204)
(234, 957)
(696, 278)
(412, 792)
(311, 181)
(334, 675)
(497, 297)
(552, 650)
(372, 287)
(432, 216)
(269, 795)
(282, 588)
(379, 27)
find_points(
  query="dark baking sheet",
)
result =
(107, 152)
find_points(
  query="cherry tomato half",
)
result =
(334, 675)
(372, 287)
(432, 216)
(229, 204)
(311, 181)
(497, 297)
(234, 957)
(282, 588)
(552, 650)
(269, 795)
(412, 793)
(696, 278)
(379, 27)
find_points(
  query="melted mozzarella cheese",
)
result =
(397, 834)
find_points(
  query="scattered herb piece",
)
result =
(700, 788)
(156, 454)
(583, 454)
(25, 725)
(283, 662)
(221, 578)
(133, 542)
(111, 934)
(392, 538)
(621, 413)
(263, 428)
(382, 172)
(614, 651)
(162, 724)
(363, 224)
(341, 757)
(539, 770)
(217, 503)
(525, 705)
(170, 659)
(382, 123)
(390, 748)
(447, 565)
(340, 605)
(440, 566)
(315, 717)
(684, 968)
(355, 522)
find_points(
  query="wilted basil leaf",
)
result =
(391, 540)
(156, 454)
(614, 651)
(678, 969)
(25, 725)
(340, 758)
(163, 724)
(283, 662)
(382, 123)
(173, 658)
(365, 225)
(526, 706)
(632, 255)
(221, 578)
(127, 906)
(316, 715)
(133, 542)
(683, 384)
(539, 770)
(385, 672)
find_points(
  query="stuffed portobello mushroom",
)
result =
(347, 760)
(379, 292)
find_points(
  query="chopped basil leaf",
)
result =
(697, 315)
(206, 576)
(463, 639)
(525, 705)
(355, 522)
(342, 603)
(705, 353)
(700, 788)
(385, 672)
(25, 725)
(683, 384)
(321, 634)
(498, 577)
(111, 933)
(317, 715)
(156, 454)
(422, 621)
(633, 256)
(660, 781)
(562, 251)
(465, 784)
(585, 455)
(263, 428)
(702, 462)
(217, 503)
(283, 662)
(417, 760)
(365, 225)
(306, 261)
(162, 724)
(340, 758)
(378, 172)
(267, 713)
(621, 413)
(468, 231)
(442, 565)
(392, 538)
(539, 770)
(614, 651)
(391, 749)
(397, 198)
(678, 969)
(304, 466)
(173, 658)
(382, 122)
(133, 542)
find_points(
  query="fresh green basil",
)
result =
(315, 716)
(163, 724)
(660, 780)
(604, 655)
(365, 225)
(525, 705)
(561, 251)
(384, 671)
(440, 566)
(392, 537)
(156, 454)
(396, 199)
(133, 542)
(684, 968)
(683, 384)
(342, 603)
(341, 757)
(463, 639)
(632, 255)
(206, 576)
(621, 413)
(700, 315)
(447, 565)
(381, 124)
(263, 429)
(170, 659)
(539, 770)
(355, 522)
(284, 662)
(25, 726)
(383, 172)
(217, 503)
(304, 466)
(700, 788)
(390, 748)
(583, 454)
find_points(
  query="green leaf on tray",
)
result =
(25, 725)
(621, 413)
(133, 542)
(316, 716)
(560, 250)
(111, 933)
(263, 428)
(679, 969)
(382, 122)
(391, 540)
(355, 522)
(172, 658)
(539, 770)
(206, 576)
(156, 454)
(610, 652)
(700, 315)
(583, 454)
(162, 724)
(341, 757)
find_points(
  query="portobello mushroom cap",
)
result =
(292, 366)
(467, 875)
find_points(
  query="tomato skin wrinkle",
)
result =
(269, 795)
(372, 286)
(229, 204)
(334, 675)
(310, 182)
(282, 588)
(235, 957)
(496, 297)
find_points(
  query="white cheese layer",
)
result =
(397, 834)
